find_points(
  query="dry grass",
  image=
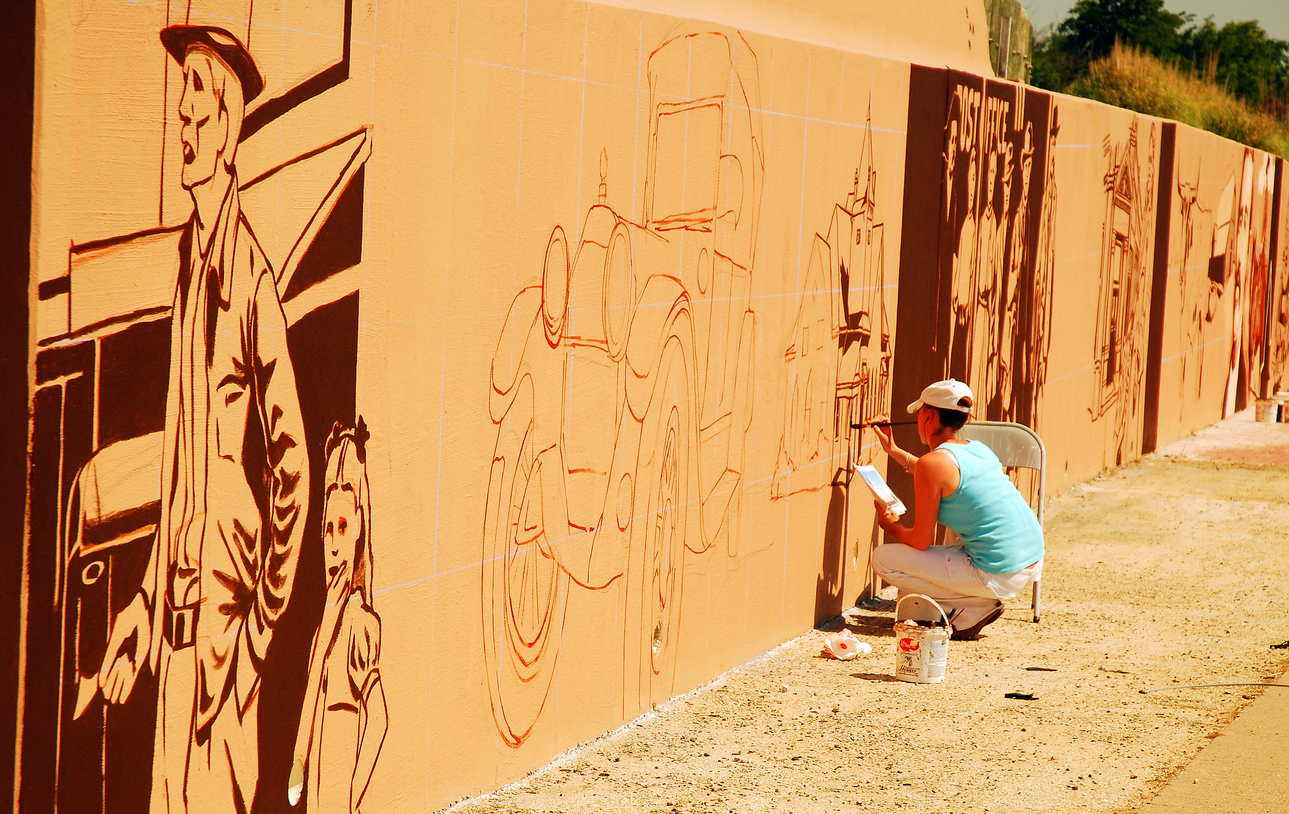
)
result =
(1138, 81)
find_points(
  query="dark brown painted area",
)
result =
(97, 771)
(52, 288)
(97, 416)
(113, 389)
(1036, 305)
(62, 441)
(101, 760)
(921, 297)
(324, 352)
(339, 244)
(1159, 288)
(133, 367)
(17, 66)
(977, 258)
(946, 228)
(1274, 285)
(40, 700)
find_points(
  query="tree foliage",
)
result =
(1094, 26)
(1239, 55)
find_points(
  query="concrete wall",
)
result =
(519, 398)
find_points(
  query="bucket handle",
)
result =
(943, 615)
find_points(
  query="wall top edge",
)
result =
(941, 33)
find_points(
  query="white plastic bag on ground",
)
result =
(844, 645)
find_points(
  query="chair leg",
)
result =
(1035, 602)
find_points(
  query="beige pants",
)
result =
(947, 575)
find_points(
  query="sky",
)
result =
(1272, 15)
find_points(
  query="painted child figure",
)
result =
(344, 719)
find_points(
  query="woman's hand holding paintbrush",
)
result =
(900, 456)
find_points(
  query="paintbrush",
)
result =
(864, 424)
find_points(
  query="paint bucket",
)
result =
(1264, 411)
(921, 653)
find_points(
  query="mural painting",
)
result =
(1227, 281)
(997, 251)
(345, 717)
(187, 519)
(611, 289)
(230, 375)
(1275, 379)
(838, 357)
(1222, 244)
(1250, 275)
(1032, 359)
(621, 391)
(1123, 299)
(837, 360)
(1200, 294)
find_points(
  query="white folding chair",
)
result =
(1016, 446)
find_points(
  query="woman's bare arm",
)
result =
(933, 477)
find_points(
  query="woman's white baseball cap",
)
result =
(949, 394)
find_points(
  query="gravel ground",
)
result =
(1166, 572)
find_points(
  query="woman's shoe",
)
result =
(970, 633)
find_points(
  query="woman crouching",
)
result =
(961, 485)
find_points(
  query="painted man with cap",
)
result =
(234, 470)
(960, 484)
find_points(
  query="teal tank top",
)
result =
(999, 531)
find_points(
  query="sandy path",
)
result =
(1169, 571)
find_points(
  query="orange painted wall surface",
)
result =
(424, 389)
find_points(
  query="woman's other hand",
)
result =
(887, 519)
